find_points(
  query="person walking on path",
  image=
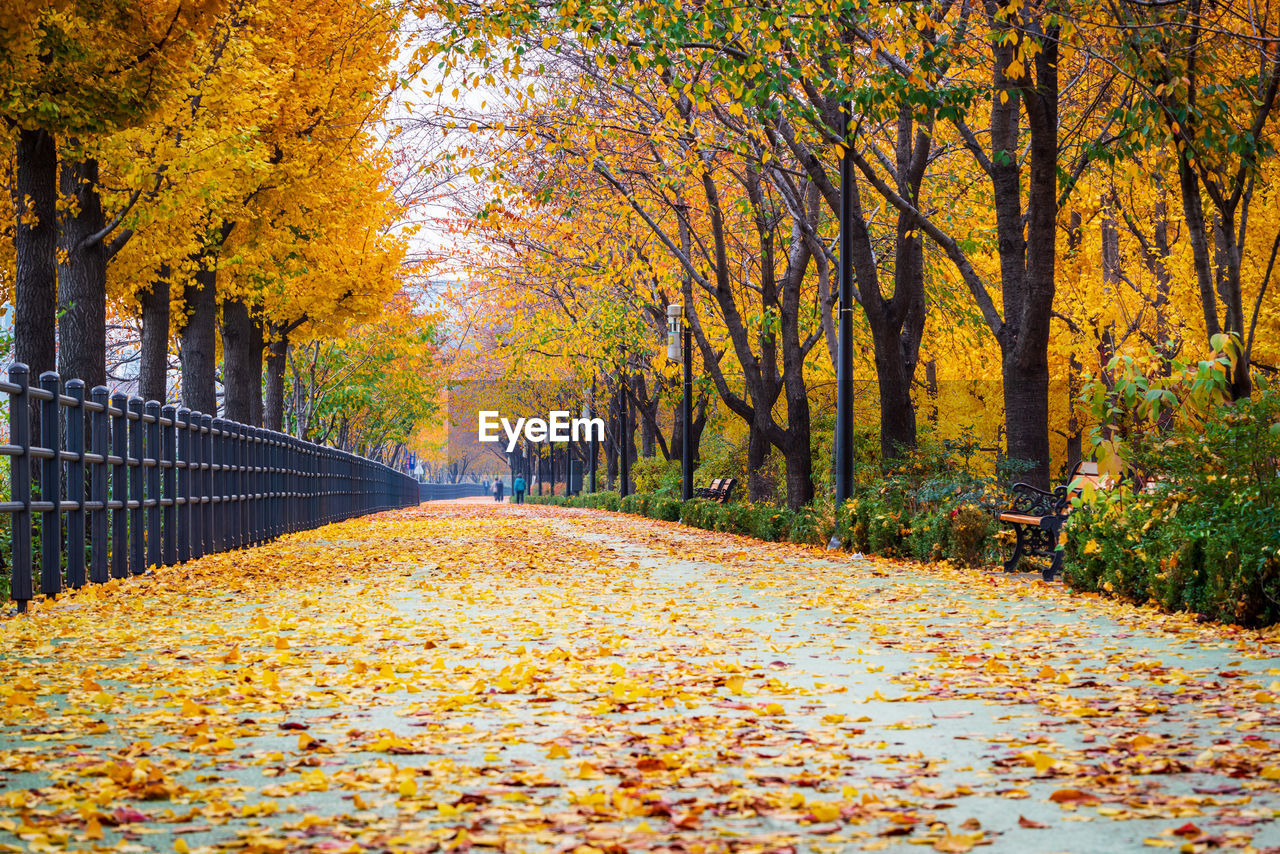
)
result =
(517, 487)
(497, 490)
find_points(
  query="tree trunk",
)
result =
(153, 371)
(1026, 407)
(241, 364)
(82, 277)
(199, 341)
(35, 243)
(799, 462)
(897, 413)
(273, 405)
(757, 453)
(1027, 249)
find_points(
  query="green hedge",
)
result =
(765, 522)
(929, 507)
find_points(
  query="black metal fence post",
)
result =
(20, 582)
(207, 487)
(153, 458)
(169, 455)
(137, 534)
(50, 486)
(196, 497)
(219, 472)
(99, 443)
(183, 499)
(241, 483)
(75, 485)
(119, 487)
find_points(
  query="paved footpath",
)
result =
(468, 677)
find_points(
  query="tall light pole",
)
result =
(586, 415)
(676, 330)
(844, 346)
(624, 479)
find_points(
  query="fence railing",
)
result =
(143, 485)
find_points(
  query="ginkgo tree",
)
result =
(992, 134)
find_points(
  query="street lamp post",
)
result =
(586, 416)
(624, 479)
(677, 329)
(844, 346)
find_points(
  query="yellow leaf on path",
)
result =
(19, 698)
(1271, 772)
(734, 684)
(408, 787)
(93, 828)
(558, 751)
(192, 709)
(282, 643)
(180, 845)
(587, 771)
(957, 843)
(824, 811)
(1042, 761)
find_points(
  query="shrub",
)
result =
(771, 523)
(656, 475)
(970, 534)
(1206, 536)
(666, 509)
(699, 513)
(809, 526)
(930, 537)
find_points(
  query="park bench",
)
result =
(719, 491)
(1037, 517)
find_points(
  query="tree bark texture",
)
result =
(82, 277)
(273, 404)
(36, 249)
(153, 371)
(199, 341)
(241, 364)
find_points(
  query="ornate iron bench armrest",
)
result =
(1032, 501)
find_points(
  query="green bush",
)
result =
(700, 513)
(1206, 537)
(656, 475)
(970, 535)
(665, 509)
(930, 537)
(771, 523)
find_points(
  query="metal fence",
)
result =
(142, 485)
(450, 491)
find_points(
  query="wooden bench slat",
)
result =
(1021, 518)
